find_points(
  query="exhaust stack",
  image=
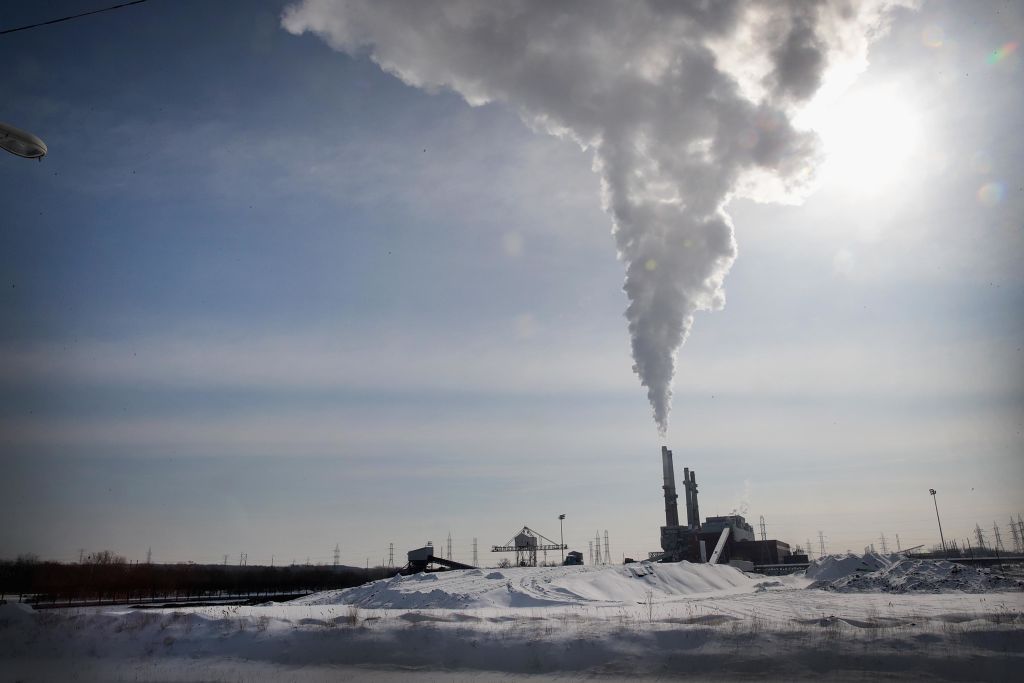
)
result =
(692, 509)
(671, 506)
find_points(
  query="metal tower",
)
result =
(337, 553)
(607, 550)
(999, 539)
(764, 535)
(1015, 535)
(980, 535)
(821, 543)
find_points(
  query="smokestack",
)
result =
(689, 499)
(691, 491)
(671, 508)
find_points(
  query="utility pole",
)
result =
(941, 537)
(885, 548)
(561, 535)
(337, 553)
(764, 536)
(225, 559)
(821, 543)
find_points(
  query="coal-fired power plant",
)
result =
(727, 539)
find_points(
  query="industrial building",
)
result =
(727, 539)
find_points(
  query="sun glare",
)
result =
(870, 138)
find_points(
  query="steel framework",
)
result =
(525, 545)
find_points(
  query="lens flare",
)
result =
(933, 36)
(992, 193)
(1000, 54)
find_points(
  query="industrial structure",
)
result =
(423, 559)
(525, 545)
(727, 539)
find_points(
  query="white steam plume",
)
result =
(683, 104)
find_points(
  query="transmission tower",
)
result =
(337, 553)
(597, 547)
(607, 550)
(476, 562)
(999, 539)
(225, 559)
(810, 549)
(1015, 535)
(885, 548)
(821, 543)
(590, 551)
(980, 535)
(391, 554)
(449, 545)
(1020, 531)
(149, 556)
(764, 535)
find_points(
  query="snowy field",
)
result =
(850, 618)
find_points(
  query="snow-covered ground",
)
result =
(638, 621)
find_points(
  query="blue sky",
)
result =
(263, 297)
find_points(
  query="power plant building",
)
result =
(697, 542)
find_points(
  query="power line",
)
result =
(74, 16)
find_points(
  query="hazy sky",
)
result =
(264, 297)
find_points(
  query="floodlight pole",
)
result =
(561, 536)
(945, 553)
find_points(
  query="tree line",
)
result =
(107, 577)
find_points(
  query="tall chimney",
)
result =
(689, 498)
(671, 509)
(692, 491)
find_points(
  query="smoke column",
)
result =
(683, 105)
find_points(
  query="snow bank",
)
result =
(833, 567)
(543, 586)
(15, 612)
(932, 576)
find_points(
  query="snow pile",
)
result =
(542, 587)
(15, 613)
(932, 576)
(834, 567)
